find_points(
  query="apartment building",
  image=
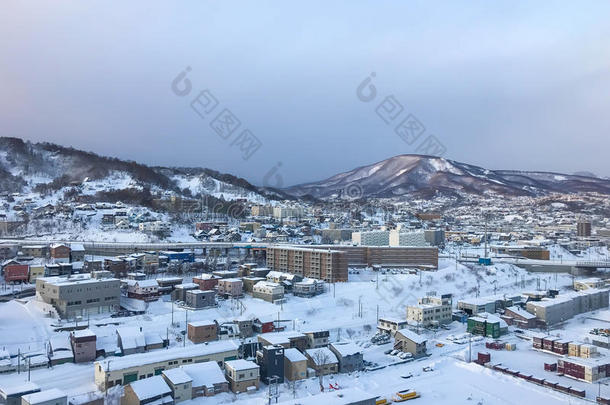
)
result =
(79, 295)
(124, 370)
(387, 256)
(328, 265)
(583, 228)
(288, 212)
(261, 210)
(414, 238)
(371, 238)
(431, 311)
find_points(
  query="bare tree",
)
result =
(320, 359)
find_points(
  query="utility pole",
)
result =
(485, 235)
(106, 384)
(186, 321)
(172, 313)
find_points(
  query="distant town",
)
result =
(300, 302)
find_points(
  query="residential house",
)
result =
(230, 288)
(242, 374)
(83, 345)
(349, 355)
(146, 290)
(391, 325)
(268, 291)
(286, 339)
(519, 317)
(179, 293)
(180, 383)
(77, 252)
(323, 360)
(271, 362)
(410, 342)
(60, 252)
(207, 378)
(317, 338)
(308, 287)
(51, 396)
(295, 365)
(202, 331)
(206, 281)
(153, 390)
(11, 394)
(200, 299)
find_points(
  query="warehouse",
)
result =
(550, 311)
(123, 370)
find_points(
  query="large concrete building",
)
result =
(328, 265)
(431, 311)
(371, 238)
(583, 228)
(387, 256)
(79, 295)
(550, 311)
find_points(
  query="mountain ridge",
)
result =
(411, 174)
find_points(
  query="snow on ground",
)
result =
(337, 310)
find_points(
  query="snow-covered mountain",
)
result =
(428, 175)
(49, 168)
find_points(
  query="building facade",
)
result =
(328, 265)
(79, 295)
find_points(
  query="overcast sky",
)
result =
(504, 85)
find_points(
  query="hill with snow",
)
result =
(48, 168)
(428, 176)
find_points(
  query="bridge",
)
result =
(576, 267)
(123, 248)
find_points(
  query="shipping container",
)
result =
(550, 366)
(484, 357)
(577, 392)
